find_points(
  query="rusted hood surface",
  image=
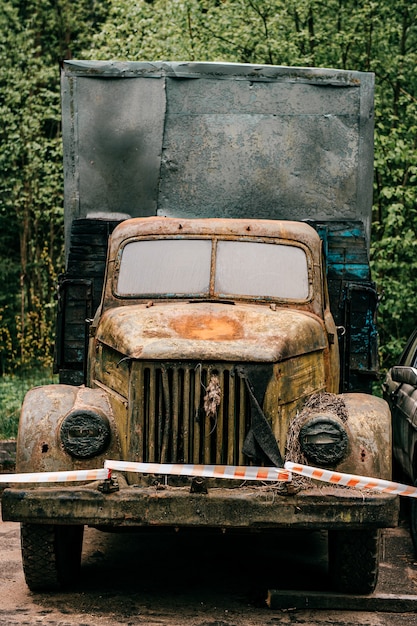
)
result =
(210, 331)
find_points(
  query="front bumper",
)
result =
(246, 508)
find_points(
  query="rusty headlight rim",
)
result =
(324, 439)
(85, 433)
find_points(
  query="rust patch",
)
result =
(220, 328)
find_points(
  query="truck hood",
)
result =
(211, 331)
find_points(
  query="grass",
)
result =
(13, 388)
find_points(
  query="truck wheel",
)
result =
(354, 560)
(51, 555)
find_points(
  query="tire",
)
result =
(354, 560)
(51, 555)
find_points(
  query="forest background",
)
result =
(36, 35)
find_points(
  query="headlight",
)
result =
(324, 440)
(85, 433)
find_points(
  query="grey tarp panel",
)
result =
(217, 140)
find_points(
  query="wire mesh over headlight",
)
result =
(324, 440)
(85, 433)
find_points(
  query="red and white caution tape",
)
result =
(236, 472)
(352, 480)
(207, 471)
(56, 477)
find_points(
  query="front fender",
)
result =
(39, 448)
(369, 423)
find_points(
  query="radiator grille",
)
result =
(168, 421)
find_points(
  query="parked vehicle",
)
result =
(217, 308)
(400, 391)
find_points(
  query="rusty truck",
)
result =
(217, 308)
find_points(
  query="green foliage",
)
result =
(33, 37)
(30, 189)
(12, 392)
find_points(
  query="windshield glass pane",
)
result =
(165, 266)
(261, 269)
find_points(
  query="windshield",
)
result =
(184, 267)
(165, 266)
(261, 269)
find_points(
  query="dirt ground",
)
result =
(184, 579)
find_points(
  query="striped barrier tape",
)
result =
(56, 477)
(235, 472)
(352, 480)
